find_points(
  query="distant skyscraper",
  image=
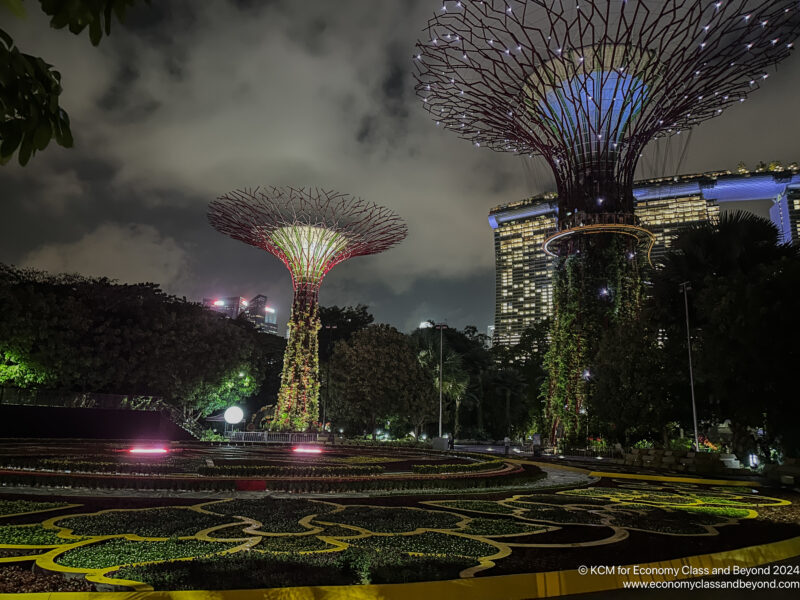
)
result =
(257, 311)
(260, 314)
(230, 306)
(665, 206)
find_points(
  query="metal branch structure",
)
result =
(310, 230)
(586, 84)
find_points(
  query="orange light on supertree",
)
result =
(310, 230)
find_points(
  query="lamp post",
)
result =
(685, 287)
(441, 327)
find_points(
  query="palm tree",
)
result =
(453, 376)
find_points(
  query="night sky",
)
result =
(193, 99)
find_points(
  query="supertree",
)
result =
(586, 84)
(310, 230)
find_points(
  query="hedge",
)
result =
(87, 466)
(457, 468)
(522, 474)
(299, 471)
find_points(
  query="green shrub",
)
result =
(292, 471)
(12, 507)
(121, 551)
(489, 527)
(277, 515)
(244, 570)
(391, 519)
(292, 543)
(430, 542)
(209, 435)
(29, 535)
(457, 468)
(153, 522)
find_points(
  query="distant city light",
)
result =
(269, 310)
(219, 302)
(306, 450)
(139, 450)
(244, 302)
(233, 415)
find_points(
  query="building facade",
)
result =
(257, 311)
(230, 306)
(665, 206)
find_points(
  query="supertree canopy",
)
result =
(310, 230)
(586, 84)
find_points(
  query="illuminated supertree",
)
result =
(586, 84)
(310, 230)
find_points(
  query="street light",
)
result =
(441, 327)
(685, 287)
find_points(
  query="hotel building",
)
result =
(665, 206)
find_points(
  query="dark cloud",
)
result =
(189, 100)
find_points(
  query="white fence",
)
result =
(272, 437)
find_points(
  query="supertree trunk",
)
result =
(595, 289)
(298, 398)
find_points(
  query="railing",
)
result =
(272, 437)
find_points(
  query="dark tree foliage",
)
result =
(338, 324)
(376, 376)
(744, 327)
(30, 114)
(744, 324)
(633, 395)
(78, 334)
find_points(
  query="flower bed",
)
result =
(121, 551)
(29, 535)
(293, 543)
(387, 520)
(458, 468)
(511, 476)
(292, 471)
(490, 527)
(430, 542)
(14, 579)
(13, 507)
(477, 506)
(153, 522)
(277, 515)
